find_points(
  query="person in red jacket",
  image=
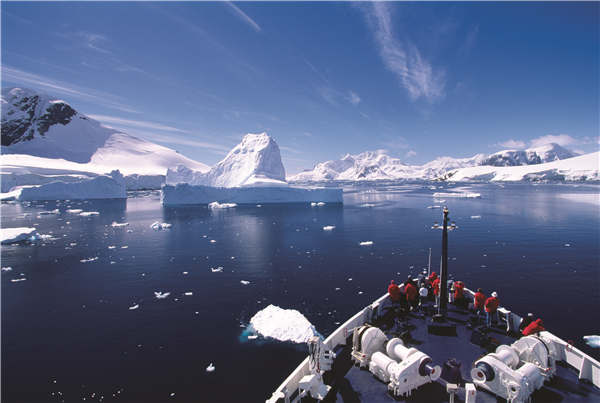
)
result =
(412, 295)
(534, 327)
(479, 301)
(459, 296)
(436, 290)
(491, 309)
(394, 292)
(432, 277)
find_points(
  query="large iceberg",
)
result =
(101, 187)
(283, 324)
(251, 173)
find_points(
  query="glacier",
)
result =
(251, 173)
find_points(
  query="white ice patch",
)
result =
(159, 226)
(55, 211)
(216, 205)
(475, 217)
(16, 280)
(210, 368)
(119, 224)
(189, 293)
(161, 295)
(464, 195)
(244, 282)
(217, 270)
(136, 306)
(329, 228)
(592, 341)
(366, 243)
(89, 213)
(74, 210)
(7, 268)
(91, 259)
(283, 324)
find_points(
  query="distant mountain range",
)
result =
(377, 165)
(38, 125)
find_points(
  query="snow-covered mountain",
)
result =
(255, 162)
(581, 168)
(538, 155)
(48, 131)
(377, 165)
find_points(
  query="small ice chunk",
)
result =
(7, 268)
(213, 241)
(136, 306)
(244, 282)
(360, 293)
(74, 211)
(159, 226)
(366, 243)
(90, 259)
(350, 279)
(20, 234)
(16, 280)
(161, 295)
(112, 247)
(567, 245)
(189, 293)
(88, 213)
(313, 204)
(283, 324)
(329, 228)
(184, 273)
(124, 247)
(475, 217)
(216, 205)
(119, 224)
(436, 206)
(217, 270)
(55, 211)
(253, 337)
(592, 341)
(210, 368)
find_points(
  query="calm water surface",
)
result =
(68, 333)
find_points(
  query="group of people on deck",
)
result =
(414, 293)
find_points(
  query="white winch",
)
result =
(319, 361)
(514, 372)
(403, 368)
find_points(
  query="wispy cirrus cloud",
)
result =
(563, 140)
(353, 98)
(244, 17)
(560, 139)
(410, 153)
(113, 120)
(20, 77)
(403, 58)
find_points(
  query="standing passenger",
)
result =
(491, 309)
(479, 301)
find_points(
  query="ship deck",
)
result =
(352, 384)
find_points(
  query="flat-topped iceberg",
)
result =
(101, 187)
(184, 194)
(251, 173)
(14, 235)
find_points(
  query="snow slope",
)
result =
(49, 132)
(538, 155)
(584, 167)
(256, 161)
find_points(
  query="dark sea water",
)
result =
(68, 333)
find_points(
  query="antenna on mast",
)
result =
(429, 264)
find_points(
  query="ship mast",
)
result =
(442, 308)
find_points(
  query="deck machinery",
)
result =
(439, 354)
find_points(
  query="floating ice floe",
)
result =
(216, 205)
(253, 337)
(317, 204)
(283, 324)
(329, 228)
(112, 247)
(119, 224)
(464, 195)
(436, 206)
(213, 241)
(89, 213)
(244, 282)
(136, 306)
(217, 270)
(19, 234)
(189, 293)
(366, 243)
(7, 268)
(161, 295)
(124, 247)
(159, 226)
(74, 210)
(210, 368)
(16, 280)
(592, 341)
(55, 211)
(368, 205)
(567, 245)
(91, 259)
(475, 217)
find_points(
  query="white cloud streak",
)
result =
(410, 153)
(244, 17)
(135, 123)
(353, 98)
(518, 144)
(16, 76)
(403, 58)
(560, 139)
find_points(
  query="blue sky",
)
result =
(324, 79)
